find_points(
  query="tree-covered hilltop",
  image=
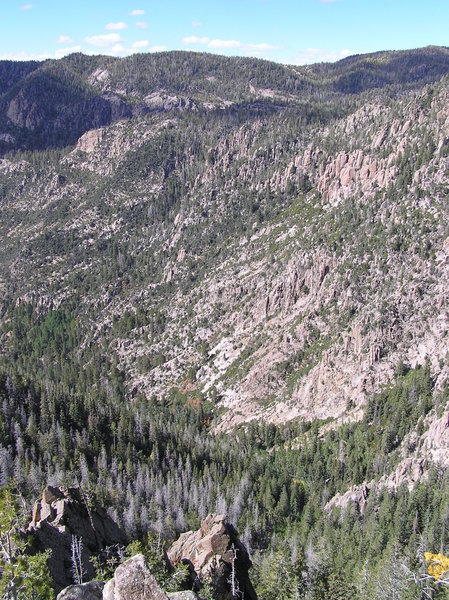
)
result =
(402, 68)
(50, 104)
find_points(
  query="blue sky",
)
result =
(290, 31)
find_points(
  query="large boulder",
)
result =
(65, 512)
(86, 591)
(210, 552)
(133, 581)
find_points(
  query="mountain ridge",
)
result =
(98, 90)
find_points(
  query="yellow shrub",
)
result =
(437, 564)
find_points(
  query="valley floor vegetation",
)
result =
(158, 469)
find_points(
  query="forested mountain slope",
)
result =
(217, 242)
(50, 104)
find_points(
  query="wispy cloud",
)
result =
(113, 45)
(118, 49)
(141, 44)
(240, 45)
(61, 52)
(25, 56)
(107, 40)
(116, 26)
(310, 56)
(114, 50)
(196, 23)
(327, 1)
(141, 25)
(217, 44)
(137, 12)
(224, 44)
(26, 7)
(64, 39)
(194, 39)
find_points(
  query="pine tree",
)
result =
(23, 577)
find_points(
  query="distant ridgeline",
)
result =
(50, 104)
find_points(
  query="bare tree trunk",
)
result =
(233, 581)
(77, 560)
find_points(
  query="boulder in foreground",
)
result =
(65, 512)
(133, 581)
(86, 591)
(210, 552)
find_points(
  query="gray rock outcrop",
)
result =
(356, 496)
(210, 553)
(61, 514)
(86, 591)
(133, 580)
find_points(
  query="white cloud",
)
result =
(64, 39)
(116, 26)
(106, 40)
(137, 12)
(118, 49)
(263, 46)
(194, 39)
(196, 23)
(310, 56)
(141, 25)
(26, 7)
(60, 52)
(141, 44)
(224, 44)
(217, 44)
(25, 56)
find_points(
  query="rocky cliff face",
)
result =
(132, 579)
(429, 450)
(212, 552)
(64, 513)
